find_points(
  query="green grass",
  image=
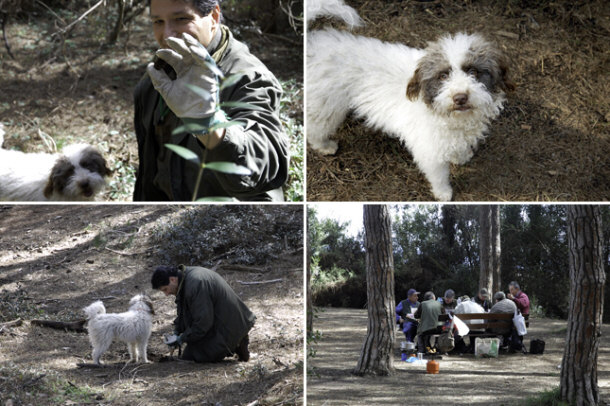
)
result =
(546, 398)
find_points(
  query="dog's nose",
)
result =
(460, 99)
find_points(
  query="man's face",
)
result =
(413, 298)
(171, 288)
(513, 291)
(172, 18)
(448, 300)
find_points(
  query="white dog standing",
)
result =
(132, 327)
(75, 174)
(438, 101)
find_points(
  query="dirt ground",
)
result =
(54, 260)
(550, 143)
(463, 380)
(81, 90)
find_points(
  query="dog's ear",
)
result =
(59, 177)
(414, 86)
(94, 161)
(149, 304)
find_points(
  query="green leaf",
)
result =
(226, 124)
(212, 66)
(228, 167)
(200, 92)
(217, 199)
(230, 81)
(242, 105)
(184, 153)
(191, 128)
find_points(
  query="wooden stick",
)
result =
(261, 282)
(245, 268)
(77, 326)
(13, 323)
(73, 23)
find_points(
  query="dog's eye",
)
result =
(472, 72)
(443, 76)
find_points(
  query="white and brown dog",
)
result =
(132, 327)
(75, 174)
(438, 101)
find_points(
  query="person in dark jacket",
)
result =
(405, 315)
(212, 320)
(448, 301)
(427, 313)
(196, 45)
(482, 298)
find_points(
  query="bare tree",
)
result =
(376, 355)
(579, 365)
(489, 247)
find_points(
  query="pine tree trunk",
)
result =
(496, 249)
(485, 248)
(376, 355)
(578, 383)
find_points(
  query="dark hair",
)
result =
(204, 7)
(161, 274)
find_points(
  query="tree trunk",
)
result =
(496, 248)
(578, 383)
(485, 248)
(376, 355)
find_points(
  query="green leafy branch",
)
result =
(193, 128)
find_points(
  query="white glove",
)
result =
(194, 67)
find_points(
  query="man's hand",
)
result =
(172, 340)
(194, 66)
(510, 296)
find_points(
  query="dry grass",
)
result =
(551, 143)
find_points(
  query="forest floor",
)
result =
(54, 260)
(548, 144)
(78, 89)
(463, 380)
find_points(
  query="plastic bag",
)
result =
(486, 347)
(519, 322)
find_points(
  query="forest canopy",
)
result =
(436, 247)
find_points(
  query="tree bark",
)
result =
(376, 355)
(578, 383)
(485, 248)
(496, 248)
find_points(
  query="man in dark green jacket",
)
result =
(428, 312)
(212, 320)
(162, 104)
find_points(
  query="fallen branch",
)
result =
(129, 254)
(13, 323)
(77, 326)
(261, 282)
(69, 27)
(245, 268)
(8, 47)
(33, 381)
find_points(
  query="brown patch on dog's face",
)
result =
(93, 161)
(490, 67)
(59, 178)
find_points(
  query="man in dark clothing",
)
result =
(212, 320)
(448, 301)
(195, 44)
(428, 312)
(405, 315)
(482, 298)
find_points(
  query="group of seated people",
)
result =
(420, 319)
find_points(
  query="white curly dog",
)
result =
(132, 327)
(438, 101)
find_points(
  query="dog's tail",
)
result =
(333, 8)
(94, 309)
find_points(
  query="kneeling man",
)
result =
(212, 320)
